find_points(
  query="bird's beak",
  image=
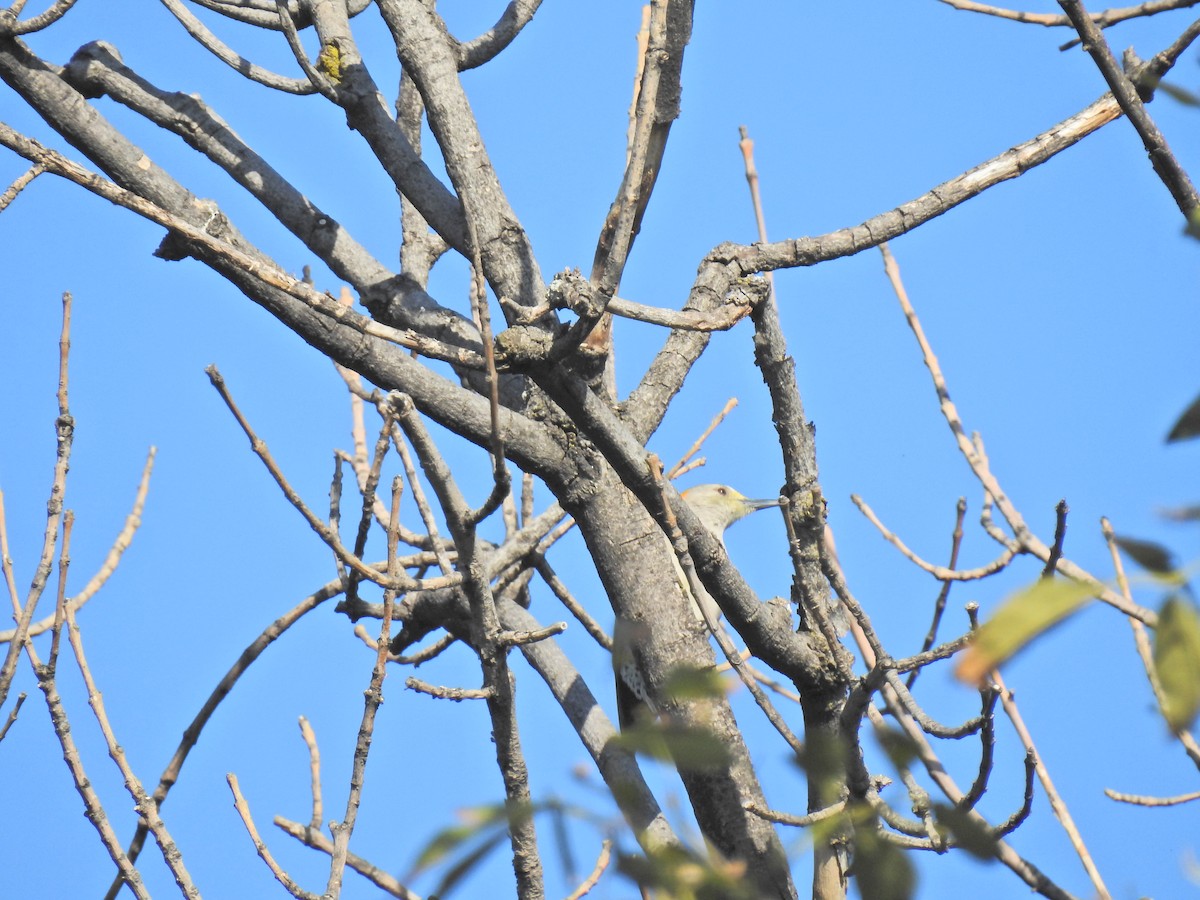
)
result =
(761, 504)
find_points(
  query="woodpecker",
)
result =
(717, 506)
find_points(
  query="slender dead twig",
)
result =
(368, 488)
(312, 837)
(146, 805)
(441, 692)
(373, 698)
(122, 542)
(398, 580)
(1102, 19)
(19, 184)
(231, 58)
(585, 887)
(1141, 642)
(13, 714)
(1027, 540)
(243, 809)
(428, 519)
(126, 872)
(678, 469)
(64, 426)
(1057, 804)
(939, 605)
(782, 818)
(567, 599)
(485, 635)
(314, 769)
(1060, 537)
(941, 573)
(191, 734)
(1144, 800)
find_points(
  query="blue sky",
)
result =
(1062, 306)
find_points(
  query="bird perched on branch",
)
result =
(717, 506)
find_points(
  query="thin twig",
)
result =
(567, 599)
(423, 506)
(397, 580)
(126, 873)
(373, 699)
(939, 605)
(1060, 537)
(146, 806)
(678, 469)
(1056, 802)
(1013, 821)
(314, 770)
(1145, 800)
(64, 426)
(782, 818)
(369, 490)
(243, 809)
(132, 522)
(1028, 541)
(312, 837)
(19, 184)
(941, 573)
(593, 879)
(12, 715)
(442, 692)
(191, 734)
(1052, 20)
(1142, 643)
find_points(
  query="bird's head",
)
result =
(718, 505)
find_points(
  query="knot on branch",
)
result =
(570, 290)
(807, 505)
(523, 347)
(80, 72)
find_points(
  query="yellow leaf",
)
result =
(1177, 661)
(1020, 619)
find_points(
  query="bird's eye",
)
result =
(722, 491)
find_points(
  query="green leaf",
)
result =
(1177, 661)
(1150, 556)
(1022, 617)
(1188, 424)
(477, 819)
(1182, 513)
(694, 683)
(881, 870)
(463, 867)
(1182, 95)
(899, 747)
(689, 747)
(680, 874)
(968, 832)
